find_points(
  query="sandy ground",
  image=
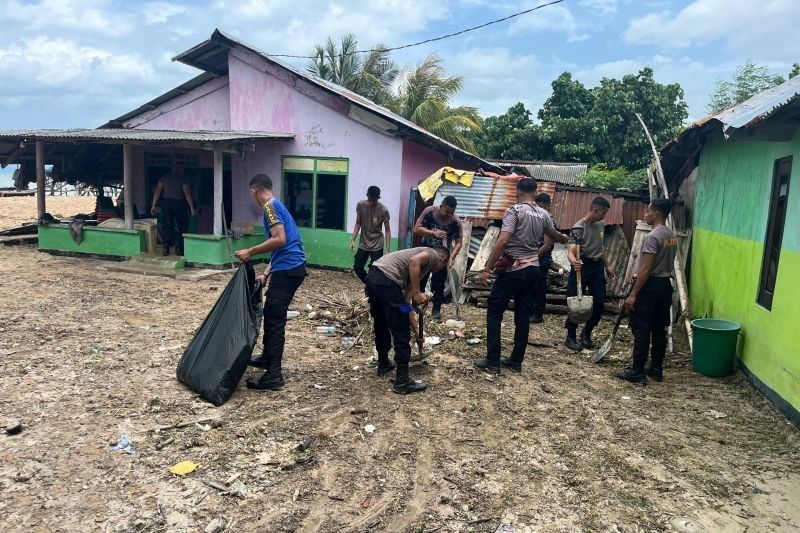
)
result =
(19, 210)
(87, 356)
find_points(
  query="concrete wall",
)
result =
(734, 184)
(203, 108)
(264, 101)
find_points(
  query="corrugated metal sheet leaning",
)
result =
(566, 173)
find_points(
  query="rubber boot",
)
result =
(436, 314)
(586, 339)
(272, 379)
(403, 384)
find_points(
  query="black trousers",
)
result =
(649, 321)
(389, 312)
(438, 280)
(540, 298)
(593, 276)
(280, 292)
(361, 261)
(174, 212)
(522, 285)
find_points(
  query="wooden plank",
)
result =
(460, 261)
(486, 248)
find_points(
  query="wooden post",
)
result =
(218, 192)
(40, 204)
(680, 276)
(127, 183)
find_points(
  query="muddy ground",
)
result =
(87, 356)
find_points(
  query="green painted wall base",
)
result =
(724, 284)
(96, 242)
(325, 248)
(211, 251)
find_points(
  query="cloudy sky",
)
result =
(78, 63)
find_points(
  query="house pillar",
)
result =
(40, 204)
(218, 229)
(127, 183)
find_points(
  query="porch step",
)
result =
(161, 261)
(145, 269)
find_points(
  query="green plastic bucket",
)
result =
(714, 346)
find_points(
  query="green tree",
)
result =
(512, 135)
(618, 138)
(795, 70)
(566, 119)
(749, 80)
(423, 96)
(370, 75)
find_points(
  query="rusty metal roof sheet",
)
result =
(138, 136)
(212, 56)
(566, 173)
(490, 197)
(759, 107)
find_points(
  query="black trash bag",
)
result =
(216, 358)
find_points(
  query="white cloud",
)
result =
(41, 63)
(763, 30)
(85, 16)
(556, 18)
(603, 7)
(161, 12)
(579, 38)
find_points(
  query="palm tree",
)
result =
(423, 95)
(370, 75)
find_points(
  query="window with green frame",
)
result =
(315, 191)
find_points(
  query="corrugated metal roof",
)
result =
(212, 56)
(680, 155)
(566, 173)
(490, 197)
(137, 136)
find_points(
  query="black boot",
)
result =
(272, 379)
(537, 318)
(586, 339)
(436, 314)
(634, 375)
(403, 384)
(656, 374)
(385, 366)
(511, 365)
(490, 366)
(165, 250)
(573, 344)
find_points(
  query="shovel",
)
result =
(420, 311)
(455, 290)
(579, 308)
(606, 347)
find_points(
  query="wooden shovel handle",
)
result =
(578, 272)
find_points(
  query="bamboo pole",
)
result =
(680, 275)
(41, 208)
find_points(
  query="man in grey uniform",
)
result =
(651, 296)
(593, 263)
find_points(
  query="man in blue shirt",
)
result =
(287, 272)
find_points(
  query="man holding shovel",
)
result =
(651, 297)
(515, 260)
(390, 279)
(589, 261)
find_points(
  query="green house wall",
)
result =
(103, 242)
(731, 210)
(327, 248)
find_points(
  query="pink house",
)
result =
(333, 145)
(246, 113)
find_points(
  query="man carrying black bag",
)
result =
(287, 272)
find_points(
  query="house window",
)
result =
(772, 241)
(315, 191)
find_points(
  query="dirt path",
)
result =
(86, 356)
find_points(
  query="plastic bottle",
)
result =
(292, 314)
(327, 330)
(348, 341)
